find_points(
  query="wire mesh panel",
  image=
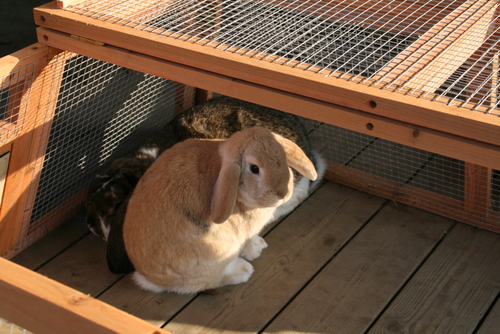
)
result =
(7, 327)
(440, 184)
(422, 48)
(14, 101)
(102, 112)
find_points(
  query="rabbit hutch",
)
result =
(400, 97)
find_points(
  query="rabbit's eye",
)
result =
(254, 169)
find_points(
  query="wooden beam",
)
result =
(412, 135)
(481, 87)
(13, 63)
(477, 189)
(184, 97)
(22, 153)
(399, 106)
(65, 3)
(41, 305)
(413, 196)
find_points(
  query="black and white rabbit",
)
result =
(218, 118)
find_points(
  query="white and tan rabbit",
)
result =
(193, 220)
(218, 118)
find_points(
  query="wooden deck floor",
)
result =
(343, 262)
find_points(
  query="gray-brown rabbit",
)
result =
(218, 118)
(193, 220)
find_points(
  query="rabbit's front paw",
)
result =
(236, 272)
(253, 248)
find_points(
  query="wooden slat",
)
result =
(153, 307)
(453, 288)
(184, 98)
(23, 154)
(202, 95)
(407, 194)
(54, 243)
(360, 281)
(66, 3)
(477, 189)
(482, 88)
(492, 321)
(428, 62)
(42, 305)
(367, 123)
(407, 108)
(22, 58)
(298, 248)
(85, 267)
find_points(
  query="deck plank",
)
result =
(452, 290)
(361, 280)
(491, 325)
(155, 308)
(298, 248)
(82, 267)
(53, 243)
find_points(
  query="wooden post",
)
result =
(26, 147)
(483, 64)
(184, 97)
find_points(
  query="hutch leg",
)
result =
(27, 149)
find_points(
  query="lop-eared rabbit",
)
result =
(193, 220)
(218, 118)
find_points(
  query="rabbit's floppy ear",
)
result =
(296, 158)
(225, 191)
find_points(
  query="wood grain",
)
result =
(83, 267)
(298, 248)
(399, 106)
(156, 308)
(42, 305)
(361, 280)
(452, 290)
(54, 243)
(492, 321)
(370, 123)
(24, 151)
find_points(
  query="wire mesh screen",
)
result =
(424, 48)
(452, 188)
(14, 101)
(102, 112)
(7, 327)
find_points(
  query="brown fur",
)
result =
(199, 206)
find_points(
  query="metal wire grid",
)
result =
(354, 40)
(103, 112)
(7, 327)
(14, 99)
(391, 169)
